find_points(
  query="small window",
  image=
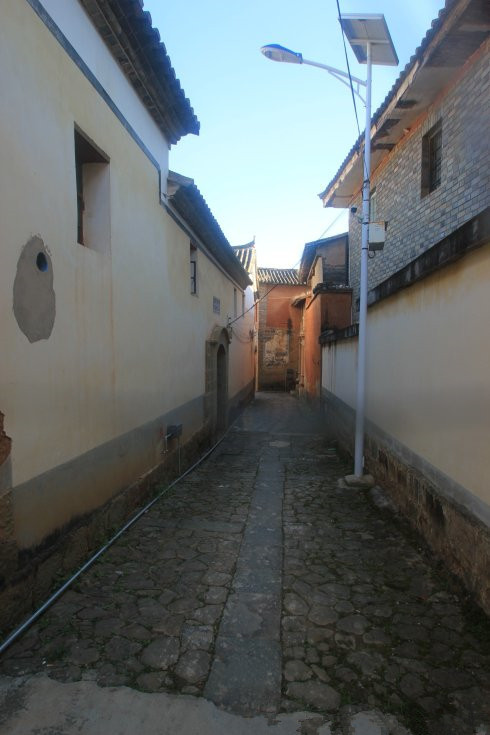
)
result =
(243, 304)
(93, 195)
(431, 159)
(193, 266)
(235, 304)
(216, 305)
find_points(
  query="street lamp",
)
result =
(274, 52)
(371, 42)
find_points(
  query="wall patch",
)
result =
(34, 297)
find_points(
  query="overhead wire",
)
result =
(366, 172)
(348, 70)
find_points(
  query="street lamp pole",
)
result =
(363, 290)
(371, 42)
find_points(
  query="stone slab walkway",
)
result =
(246, 672)
(262, 591)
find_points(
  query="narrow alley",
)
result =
(260, 595)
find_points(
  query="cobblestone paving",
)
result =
(375, 636)
(146, 615)
(368, 617)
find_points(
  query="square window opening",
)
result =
(93, 195)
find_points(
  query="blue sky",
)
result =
(273, 135)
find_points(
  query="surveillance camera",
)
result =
(353, 210)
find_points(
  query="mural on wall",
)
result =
(276, 350)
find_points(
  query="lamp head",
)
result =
(279, 53)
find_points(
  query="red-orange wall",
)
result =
(278, 319)
(323, 311)
(280, 310)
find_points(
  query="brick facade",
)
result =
(416, 222)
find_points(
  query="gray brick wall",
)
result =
(415, 223)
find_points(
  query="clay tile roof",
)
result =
(278, 276)
(244, 253)
(188, 201)
(129, 34)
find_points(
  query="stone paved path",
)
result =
(264, 586)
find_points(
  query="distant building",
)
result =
(325, 304)
(279, 328)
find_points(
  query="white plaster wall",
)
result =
(428, 370)
(76, 25)
(339, 370)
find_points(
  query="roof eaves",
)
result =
(128, 32)
(407, 73)
(307, 260)
(192, 207)
(308, 257)
(244, 254)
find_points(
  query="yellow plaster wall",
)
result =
(428, 370)
(128, 342)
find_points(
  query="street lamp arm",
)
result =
(333, 70)
(275, 52)
(341, 76)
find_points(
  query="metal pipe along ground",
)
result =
(37, 614)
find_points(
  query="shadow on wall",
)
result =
(221, 389)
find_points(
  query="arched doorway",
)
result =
(216, 399)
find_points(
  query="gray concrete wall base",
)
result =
(28, 575)
(455, 523)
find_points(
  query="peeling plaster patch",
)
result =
(276, 350)
(34, 297)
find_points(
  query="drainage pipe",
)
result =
(37, 614)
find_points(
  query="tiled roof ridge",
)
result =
(280, 276)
